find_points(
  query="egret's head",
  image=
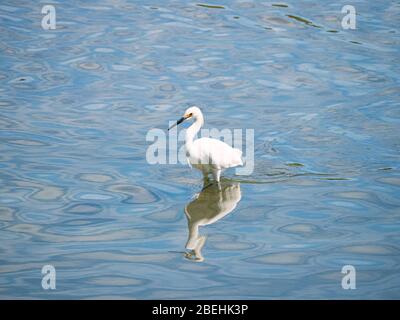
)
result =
(192, 112)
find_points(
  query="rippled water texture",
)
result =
(76, 191)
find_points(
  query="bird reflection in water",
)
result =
(210, 205)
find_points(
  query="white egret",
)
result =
(207, 154)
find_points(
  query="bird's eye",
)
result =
(190, 114)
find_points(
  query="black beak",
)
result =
(178, 122)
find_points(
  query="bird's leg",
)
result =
(217, 176)
(206, 180)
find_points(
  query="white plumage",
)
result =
(207, 154)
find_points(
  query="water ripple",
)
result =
(76, 191)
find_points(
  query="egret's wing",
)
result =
(217, 153)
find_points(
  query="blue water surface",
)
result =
(77, 192)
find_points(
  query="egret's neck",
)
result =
(192, 131)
